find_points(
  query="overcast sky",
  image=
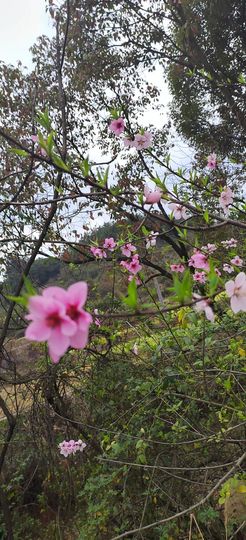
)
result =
(21, 22)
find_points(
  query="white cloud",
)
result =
(21, 22)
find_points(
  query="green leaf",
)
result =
(183, 288)
(175, 189)
(21, 300)
(141, 459)
(19, 152)
(85, 166)
(190, 72)
(205, 181)
(131, 298)
(115, 191)
(241, 79)
(227, 384)
(50, 143)
(182, 233)
(206, 216)
(103, 178)
(44, 120)
(42, 141)
(60, 163)
(159, 183)
(213, 280)
(141, 199)
(168, 157)
(144, 230)
(31, 291)
(115, 113)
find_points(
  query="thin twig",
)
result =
(187, 510)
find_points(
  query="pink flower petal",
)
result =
(78, 293)
(146, 190)
(84, 320)
(37, 307)
(80, 339)
(56, 292)
(38, 331)
(209, 313)
(54, 357)
(68, 327)
(152, 197)
(238, 303)
(240, 279)
(229, 287)
(58, 343)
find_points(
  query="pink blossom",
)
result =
(178, 210)
(58, 318)
(135, 349)
(129, 143)
(212, 161)
(177, 268)
(127, 250)
(34, 138)
(50, 323)
(125, 264)
(236, 290)
(218, 272)
(134, 266)
(228, 268)
(74, 299)
(71, 447)
(98, 252)
(151, 239)
(229, 243)
(226, 198)
(109, 243)
(209, 248)
(199, 260)
(142, 141)
(200, 277)
(203, 305)
(152, 197)
(237, 261)
(117, 126)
